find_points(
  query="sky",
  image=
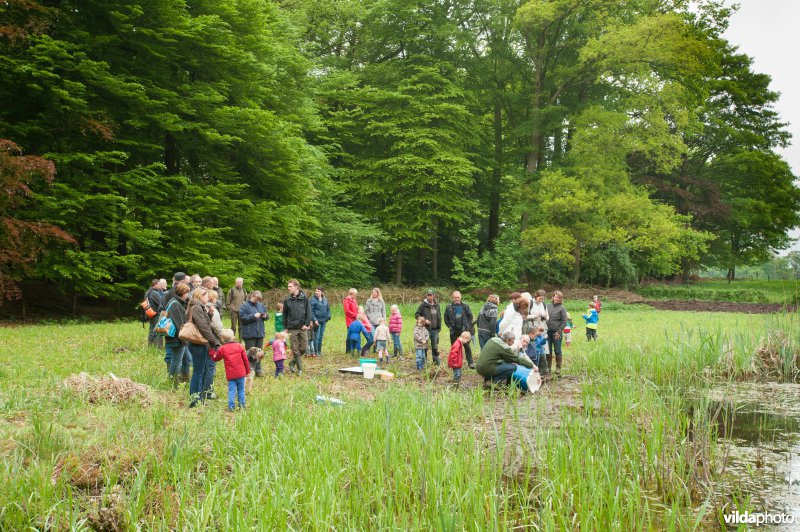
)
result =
(769, 32)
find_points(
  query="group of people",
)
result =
(199, 301)
(528, 332)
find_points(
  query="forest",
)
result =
(344, 142)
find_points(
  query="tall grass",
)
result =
(621, 452)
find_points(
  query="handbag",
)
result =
(164, 325)
(190, 333)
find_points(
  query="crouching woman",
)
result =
(498, 361)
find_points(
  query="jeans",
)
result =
(457, 374)
(204, 370)
(318, 338)
(259, 343)
(179, 359)
(434, 337)
(235, 389)
(454, 334)
(422, 355)
(398, 347)
(483, 337)
(503, 372)
(366, 345)
(278, 368)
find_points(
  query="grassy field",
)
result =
(746, 291)
(613, 445)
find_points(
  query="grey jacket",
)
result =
(558, 317)
(375, 309)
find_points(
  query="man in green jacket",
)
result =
(498, 362)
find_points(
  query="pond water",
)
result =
(759, 447)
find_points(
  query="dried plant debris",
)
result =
(110, 389)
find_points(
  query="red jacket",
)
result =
(236, 364)
(350, 310)
(456, 357)
(395, 323)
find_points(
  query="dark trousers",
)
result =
(153, 338)
(434, 346)
(298, 339)
(367, 345)
(467, 347)
(503, 372)
(555, 348)
(483, 337)
(259, 343)
(591, 334)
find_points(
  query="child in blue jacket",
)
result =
(354, 332)
(591, 317)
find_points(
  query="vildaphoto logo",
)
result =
(758, 519)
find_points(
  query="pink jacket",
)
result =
(395, 323)
(278, 350)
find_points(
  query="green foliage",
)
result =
(699, 293)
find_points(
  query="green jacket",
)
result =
(495, 352)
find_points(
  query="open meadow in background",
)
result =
(629, 438)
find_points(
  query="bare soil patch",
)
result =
(719, 306)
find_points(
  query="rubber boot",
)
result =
(435, 356)
(185, 377)
(558, 365)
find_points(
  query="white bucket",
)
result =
(369, 370)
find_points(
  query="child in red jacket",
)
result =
(456, 357)
(236, 366)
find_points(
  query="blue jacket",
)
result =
(320, 309)
(540, 341)
(591, 319)
(251, 326)
(355, 331)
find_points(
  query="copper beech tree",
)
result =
(21, 241)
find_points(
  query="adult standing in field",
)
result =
(178, 350)
(375, 309)
(220, 294)
(458, 318)
(557, 320)
(236, 296)
(204, 368)
(350, 304)
(539, 317)
(178, 279)
(431, 312)
(497, 361)
(196, 282)
(253, 314)
(321, 313)
(154, 297)
(487, 320)
(297, 319)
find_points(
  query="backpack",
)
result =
(164, 325)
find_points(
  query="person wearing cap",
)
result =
(253, 314)
(236, 296)
(430, 310)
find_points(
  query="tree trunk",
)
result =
(497, 172)
(74, 304)
(537, 136)
(435, 247)
(398, 269)
(172, 158)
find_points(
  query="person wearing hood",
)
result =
(298, 320)
(487, 320)
(430, 310)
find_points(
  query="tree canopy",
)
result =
(358, 140)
